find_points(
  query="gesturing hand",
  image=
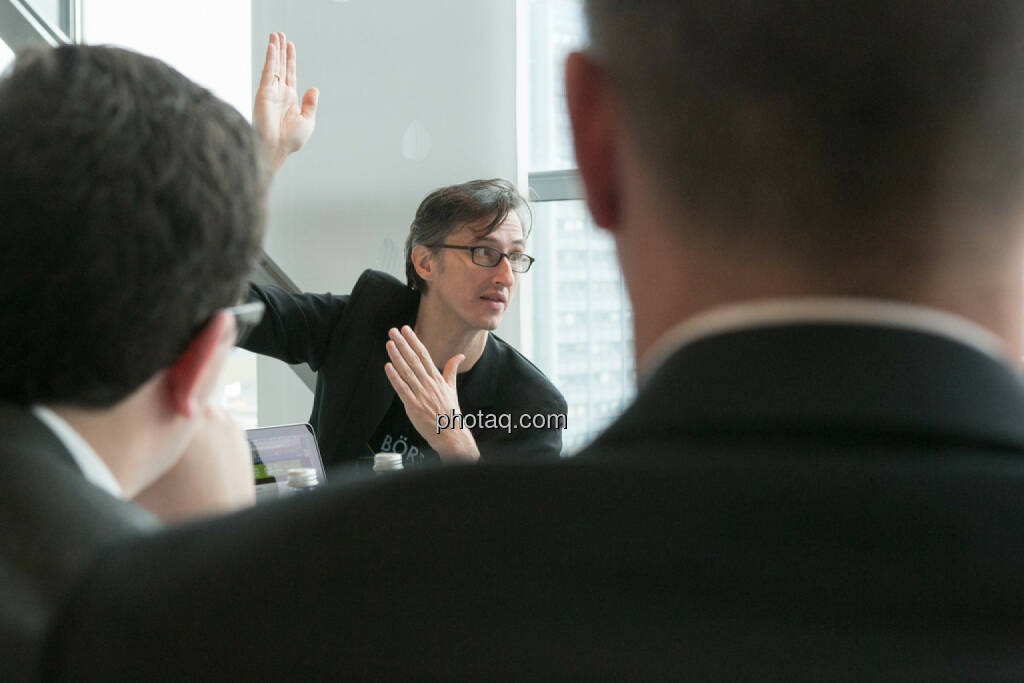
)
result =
(282, 126)
(427, 393)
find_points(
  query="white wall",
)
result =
(436, 74)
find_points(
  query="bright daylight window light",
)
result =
(6, 56)
(210, 42)
(582, 335)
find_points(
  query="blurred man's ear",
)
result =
(422, 258)
(594, 130)
(191, 378)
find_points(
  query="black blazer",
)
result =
(342, 339)
(792, 503)
(53, 522)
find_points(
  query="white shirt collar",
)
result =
(92, 466)
(821, 310)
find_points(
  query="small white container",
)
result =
(387, 462)
(302, 480)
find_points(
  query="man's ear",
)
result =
(192, 375)
(594, 131)
(422, 258)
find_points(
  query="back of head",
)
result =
(132, 204)
(823, 127)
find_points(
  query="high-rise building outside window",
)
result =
(582, 335)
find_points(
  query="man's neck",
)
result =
(112, 440)
(125, 437)
(981, 296)
(446, 336)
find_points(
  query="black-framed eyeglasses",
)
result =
(247, 316)
(489, 257)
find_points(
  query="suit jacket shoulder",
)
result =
(54, 524)
(305, 327)
(795, 385)
(382, 292)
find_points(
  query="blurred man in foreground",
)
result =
(132, 205)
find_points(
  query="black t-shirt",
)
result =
(395, 433)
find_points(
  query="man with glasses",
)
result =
(396, 361)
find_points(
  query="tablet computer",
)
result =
(275, 450)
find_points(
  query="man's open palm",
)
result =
(283, 125)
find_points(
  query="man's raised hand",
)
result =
(282, 124)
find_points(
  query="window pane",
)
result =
(237, 389)
(556, 28)
(582, 320)
(53, 12)
(583, 328)
(210, 43)
(6, 56)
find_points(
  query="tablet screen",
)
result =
(275, 450)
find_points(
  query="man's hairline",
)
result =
(487, 236)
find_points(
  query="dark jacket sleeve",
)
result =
(295, 328)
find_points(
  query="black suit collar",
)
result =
(849, 311)
(24, 432)
(831, 378)
(399, 309)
